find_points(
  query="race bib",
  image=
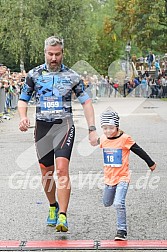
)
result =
(112, 157)
(51, 104)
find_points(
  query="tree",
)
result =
(108, 46)
(26, 23)
(143, 22)
(20, 28)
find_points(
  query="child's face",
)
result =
(110, 130)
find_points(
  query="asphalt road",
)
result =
(24, 208)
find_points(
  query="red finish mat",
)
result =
(145, 244)
(9, 244)
(83, 244)
(75, 244)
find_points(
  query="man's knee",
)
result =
(62, 171)
(62, 167)
(47, 171)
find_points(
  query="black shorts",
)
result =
(54, 139)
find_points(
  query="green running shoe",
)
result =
(62, 225)
(53, 216)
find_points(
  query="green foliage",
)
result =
(144, 23)
(93, 31)
(20, 29)
(106, 30)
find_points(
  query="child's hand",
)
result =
(152, 168)
(98, 140)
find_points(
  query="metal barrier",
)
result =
(2, 103)
(2, 100)
(8, 104)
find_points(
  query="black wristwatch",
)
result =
(92, 128)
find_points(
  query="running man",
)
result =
(52, 84)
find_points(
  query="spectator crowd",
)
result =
(149, 82)
(10, 87)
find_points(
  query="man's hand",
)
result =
(93, 138)
(24, 124)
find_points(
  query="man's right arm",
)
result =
(22, 109)
(24, 98)
(24, 121)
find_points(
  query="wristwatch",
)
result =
(92, 128)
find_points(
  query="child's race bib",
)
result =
(112, 157)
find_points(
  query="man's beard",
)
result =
(55, 68)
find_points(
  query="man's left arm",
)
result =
(86, 102)
(90, 118)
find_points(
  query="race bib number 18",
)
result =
(112, 157)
